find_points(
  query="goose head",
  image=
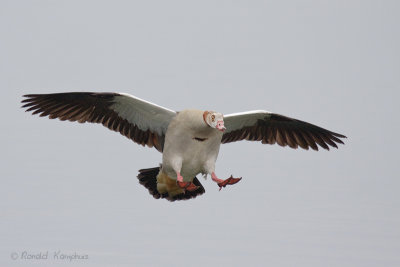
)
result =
(214, 120)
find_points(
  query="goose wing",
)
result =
(271, 128)
(143, 122)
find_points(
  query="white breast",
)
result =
(182, 152)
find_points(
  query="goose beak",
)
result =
(220, 126)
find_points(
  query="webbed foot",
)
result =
(228, 181)
(189, 186)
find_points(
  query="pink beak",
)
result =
(220, 126)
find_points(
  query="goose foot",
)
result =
(222, 183)
(230, 180)
(189, 186)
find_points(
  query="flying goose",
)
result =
(189, 140)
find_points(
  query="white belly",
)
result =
(196, 156)
(190, 156)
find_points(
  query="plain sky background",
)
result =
(72, 187)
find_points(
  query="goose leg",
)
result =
(189, 186)
(222, 183)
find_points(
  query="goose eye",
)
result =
(213, 118)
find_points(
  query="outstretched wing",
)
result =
(143, 122)
(271, 128)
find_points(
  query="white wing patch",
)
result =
(236, 121)
(145, 115)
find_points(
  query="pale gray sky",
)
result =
(73, 188)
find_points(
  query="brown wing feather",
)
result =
(90, 107)
(284, 131)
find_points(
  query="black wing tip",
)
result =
(338, 135)
(30, 97)
(337, 140)
(33, 99)
(328, 142)
(334, 144)
(29, 101)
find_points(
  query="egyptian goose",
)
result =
(189, 140)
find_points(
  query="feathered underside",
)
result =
(271, 128)
(138, 120)
(148, 178)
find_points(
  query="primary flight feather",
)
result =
(189, 140)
